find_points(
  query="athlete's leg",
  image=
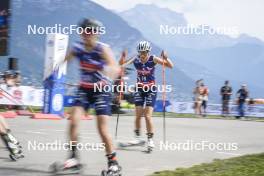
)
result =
(139, 103)
(102, 126)
(149, 125)
(72, 162)
(139, 114)
(150, 102)
(148, 119)
(9, 140)
(76, 113)
(4, 129)
(103, 112)
(3, 125)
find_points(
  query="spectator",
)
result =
(226, 92)
(242, 94)
(204, 91)
(12, 78)
(3, 19)
(2, 81)
(197, 98)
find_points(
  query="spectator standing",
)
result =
(226, 93)
(204, 92)
(242, 94)
(197, 98)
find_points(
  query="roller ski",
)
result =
(16, 156)
(71, 166)
(14, 140)
(133, 143)
(15, 151)
(113, 169)
(12, 146)
(150, 146)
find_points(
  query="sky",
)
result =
(245, 15)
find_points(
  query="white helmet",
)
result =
(143, 46)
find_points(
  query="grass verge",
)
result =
(248, 165)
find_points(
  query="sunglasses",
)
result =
(143, 52)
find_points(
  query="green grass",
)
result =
(248, 165)
(175, 115)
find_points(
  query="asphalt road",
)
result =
(185, 139)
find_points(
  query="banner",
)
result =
(56, 47)
(215, 109)
(22, 95)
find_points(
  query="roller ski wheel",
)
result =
(132, 144)
(150, 146)
(149, 150)
(62, 168)
(15, 152)
(112, 173)
(15, 157)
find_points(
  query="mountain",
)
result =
(242, 62)
(30, 48)
(162, 25)
(155, 22)
(212, 57)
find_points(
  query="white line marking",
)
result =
(85, 137)
(52, 130)
(89, 133)
(36, 132)
(227, 153)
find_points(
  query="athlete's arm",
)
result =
(167, 62)
(230, 91)
(112, 69)
(69, 56)
(221, 91)
(207, 91)
(237, 94)
(123, 62)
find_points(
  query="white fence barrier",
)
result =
(215, 109)
(22, 95)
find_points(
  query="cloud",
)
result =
(244, 14)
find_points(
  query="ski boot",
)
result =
(70, 166)
(138, 141)
(150, 145)
(11, 145)
(132, 143)
(13, 140)
(15, 151)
